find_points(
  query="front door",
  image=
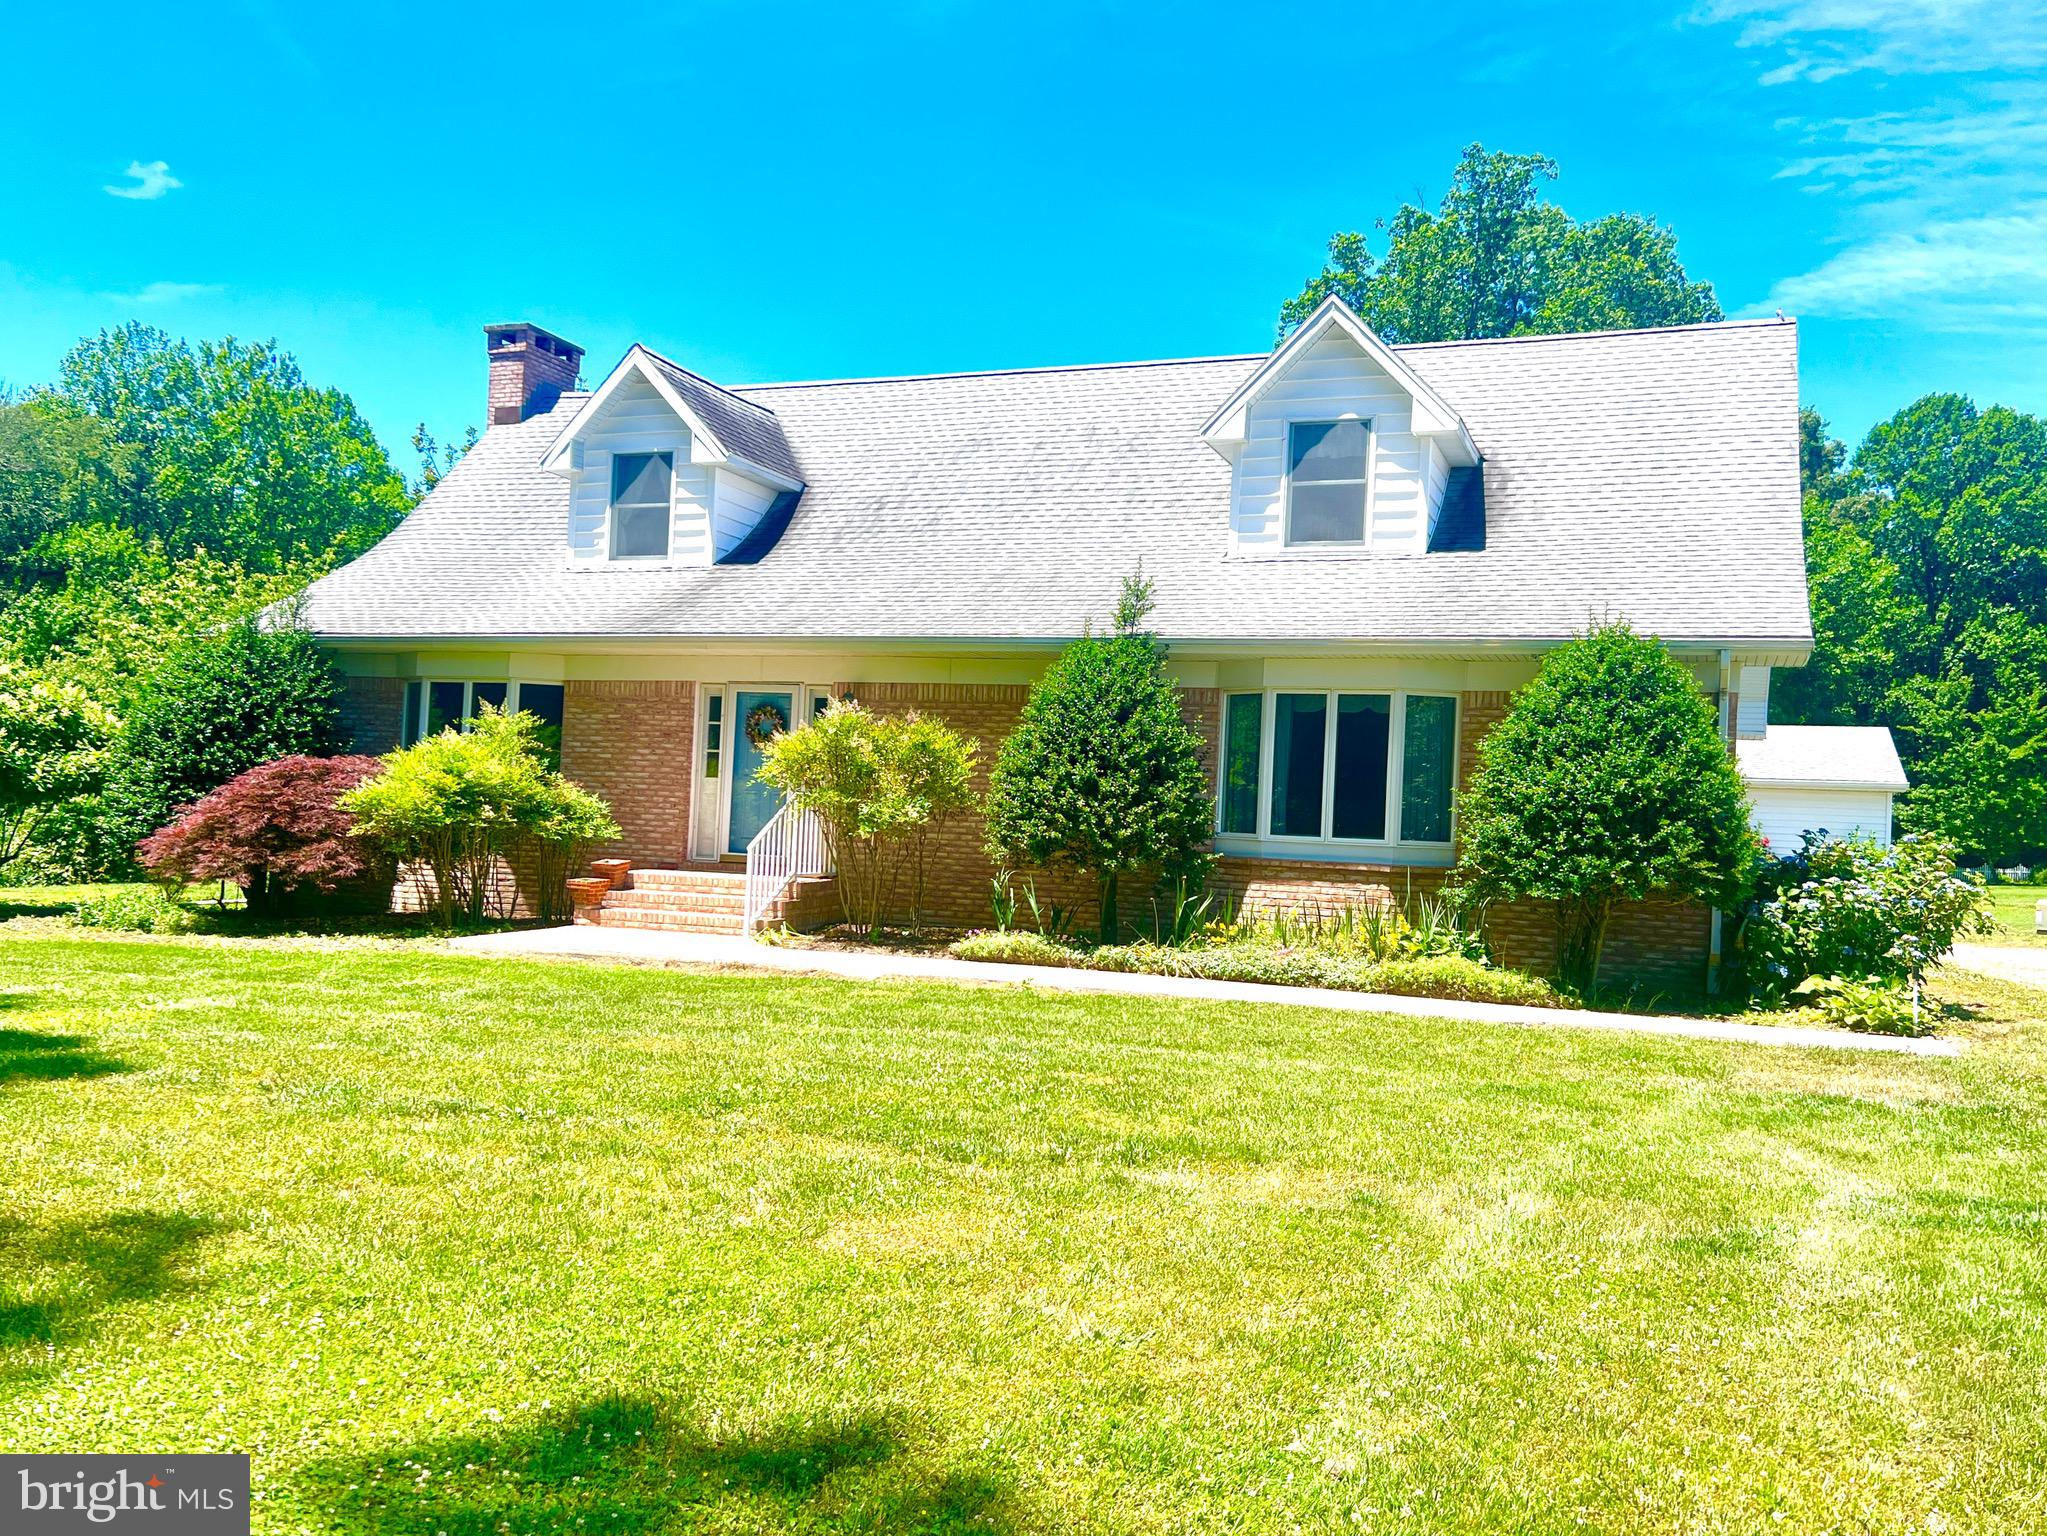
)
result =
(755, 717)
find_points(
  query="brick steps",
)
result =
(693, 899)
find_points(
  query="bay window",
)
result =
(1337, 766)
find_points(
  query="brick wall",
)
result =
(961, 871)
(371, 708)
(630, 745)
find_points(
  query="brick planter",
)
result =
(588, 893)
(615, 871)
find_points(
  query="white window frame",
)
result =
(612, 505)
(469, 685)
(1286, 484)
(1396, 771)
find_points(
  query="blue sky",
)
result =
(781, 192)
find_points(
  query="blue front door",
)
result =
(753, 804)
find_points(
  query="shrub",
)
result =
(880, 785)
(219, 705)
(1606, 781)
(276, 830)
(1846, 907)
(1465, 980)
(460, 801)
(1102, 774)
(144, 909)
(1016, 947)
(1875, 1007)
(52, 746)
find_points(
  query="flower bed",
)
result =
(1454, 977)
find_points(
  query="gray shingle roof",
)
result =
(745, 427)
(1650, 474)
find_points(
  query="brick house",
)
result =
(1360, 552)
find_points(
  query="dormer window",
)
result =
(641, 489)
(1328, 471)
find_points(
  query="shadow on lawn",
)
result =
(622, 1467)
(28, 1055)
(56, 1277)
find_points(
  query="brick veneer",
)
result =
(631, 745)
(371, 708)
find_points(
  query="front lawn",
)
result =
(471, 1245)
(2012, 907)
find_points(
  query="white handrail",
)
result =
(789, 847)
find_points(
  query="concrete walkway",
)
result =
(2012, 963)
(649, 947)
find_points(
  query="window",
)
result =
(714, 733)
(1430, 758)
(431, 707)
(1343, 767)
(1327, 470)
(640, 485)
(1243, 722)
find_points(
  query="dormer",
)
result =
(1339, 448)
(667, 469)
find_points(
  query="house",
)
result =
(1360, 552)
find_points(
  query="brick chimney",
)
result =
(529, 369)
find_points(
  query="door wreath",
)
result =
(762, 723)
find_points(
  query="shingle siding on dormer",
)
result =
(1333, 380)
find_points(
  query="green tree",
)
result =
(219, 704)
(52, 742)
(1102, 774)
(1496, 260)
(880, 785)
(1927, 556)
(1606, 781)
(437, 458)
(236, 453)
(59, 467)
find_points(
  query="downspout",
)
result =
(1726, 736)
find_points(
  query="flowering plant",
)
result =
(1847, 907)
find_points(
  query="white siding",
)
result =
(1784, 816)
(1436, 471)
(1753, 690)
(736, 506)
(637, 420)
(1332, 380)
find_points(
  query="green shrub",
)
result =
(1846, 907)
(1103, 775)
(219, 705)
(880, 785)
(1464, 980)
(52, 749)
(144, 909)
(1017, 947)
(460, 801)
(1606, 781)
(1874, 1007)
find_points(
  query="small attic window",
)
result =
(640, 491)
(1328, 468)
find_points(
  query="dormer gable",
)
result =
(655, 435)
(1338, 447)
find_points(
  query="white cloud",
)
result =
(1821, 40)
(166, 293)
(151, 181)
(1963, 275)
(1928, 122)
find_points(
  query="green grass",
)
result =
(463, 1245)
(2012, 906)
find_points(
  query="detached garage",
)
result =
(1812, 778)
